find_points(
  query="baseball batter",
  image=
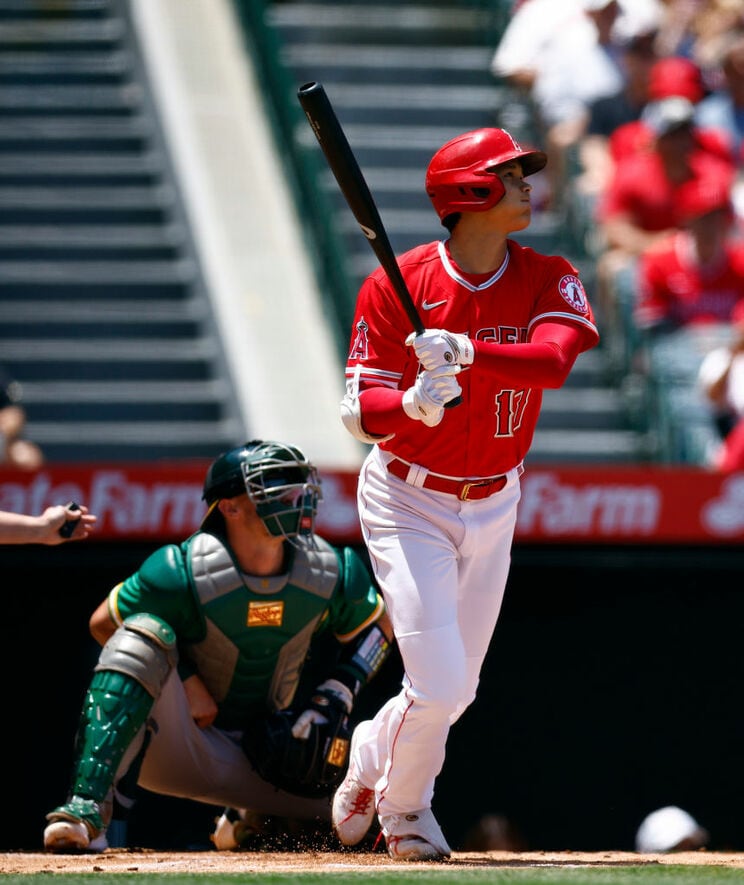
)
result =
(203, 651)
(438, 492)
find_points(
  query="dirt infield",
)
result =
(143, 861)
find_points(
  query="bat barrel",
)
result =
(348, 175)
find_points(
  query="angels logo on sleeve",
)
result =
(573, 293)
(360, 345)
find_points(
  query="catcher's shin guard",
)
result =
(130, 674)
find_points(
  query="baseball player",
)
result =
(438, 491)
(203, 651)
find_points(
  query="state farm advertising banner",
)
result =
(599, 505)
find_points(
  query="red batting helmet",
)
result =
(460, 176)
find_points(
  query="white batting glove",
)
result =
(329, 694)
(438, 347)
(425, 401)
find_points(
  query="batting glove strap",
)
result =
(438, 347)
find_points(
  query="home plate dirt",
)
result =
(143, 861)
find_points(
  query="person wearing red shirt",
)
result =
(721, 379)
(642, 199)
(670, 77)
(696, 274)
(439, 489)
(641, 203)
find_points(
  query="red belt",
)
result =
(464, 489)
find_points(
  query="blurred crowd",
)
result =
(640, 107)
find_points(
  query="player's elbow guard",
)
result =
(351, 416)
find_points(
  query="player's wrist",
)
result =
(418, 410)
(467, 350)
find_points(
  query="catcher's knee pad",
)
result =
(144, 647)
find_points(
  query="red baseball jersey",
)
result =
(674, 287)
(492, 430)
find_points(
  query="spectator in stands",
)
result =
(678, 27)
(715, 22)
(672, 77)
(676, 75)
(575, 59)
(721, 379)
(532, 29)
(696, 273)
(692, 28)
(20, 528)
(730, 455)
(583, 65)
(609, 113)
(15, 449)
(641, 204)
(723, 109)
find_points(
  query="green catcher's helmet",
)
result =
(282, 484)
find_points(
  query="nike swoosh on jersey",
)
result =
(427, 306)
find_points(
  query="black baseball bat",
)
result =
(346, 171)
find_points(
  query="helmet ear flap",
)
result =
(491, 194)
(462, 170)
(469, 197)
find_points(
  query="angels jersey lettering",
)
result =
(503, 307)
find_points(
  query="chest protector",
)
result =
(258, 629)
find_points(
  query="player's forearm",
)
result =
(382, 410)
(545, 362)
(525, 365)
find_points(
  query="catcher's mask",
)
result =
(461, 176)
(282, 484)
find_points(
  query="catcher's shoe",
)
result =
(74, 827)
(414, 836)
(353, 809)
(235, 827)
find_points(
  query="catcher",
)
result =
(204, 648)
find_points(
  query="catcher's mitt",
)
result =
(312, 768)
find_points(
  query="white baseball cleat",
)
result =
(353, 807)
(414, 836)
(353, 811)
